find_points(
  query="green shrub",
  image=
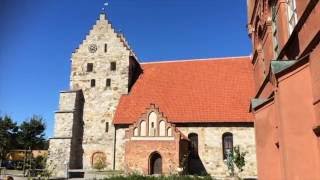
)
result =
(235, 158)
(100, 164)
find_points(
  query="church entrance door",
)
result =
(155, 163)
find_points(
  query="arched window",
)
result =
(227, 144)
(169, 132)
(162, 128)
(193, 137)
(143, 128)
(135, 132)
(152, 123)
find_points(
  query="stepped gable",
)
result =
(192, 91)
(104, 22)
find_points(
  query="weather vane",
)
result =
(105, 6)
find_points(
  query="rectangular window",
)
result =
(105, 48)
(275, 41)
(113, 66)
(89, 67)
(292, 15)
(108, 83)
(227, 144)
(107, 126)
(93, 83)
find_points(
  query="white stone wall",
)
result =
(120, 149)
(67, 101)
(63, 125)
(62, 144)
(59, 154)
(210, 147)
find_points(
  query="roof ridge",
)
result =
(197, 59)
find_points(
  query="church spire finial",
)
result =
(104, 8)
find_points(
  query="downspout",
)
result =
(114, 148)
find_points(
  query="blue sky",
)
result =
(37, 38)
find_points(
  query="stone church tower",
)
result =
(103, 68)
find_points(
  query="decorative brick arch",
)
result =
(155, 154)
(160, 118)
(98, 155)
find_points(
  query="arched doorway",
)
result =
(155, 163)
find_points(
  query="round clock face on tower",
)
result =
(93, 48)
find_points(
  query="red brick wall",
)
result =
(139, 148)
(137, 154)
(268, 154)
(298, 142)
(296, 107)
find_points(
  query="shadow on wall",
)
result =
(76, 153)
(195, 165)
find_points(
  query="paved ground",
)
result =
(16, 174)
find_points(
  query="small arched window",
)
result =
(152, 124)
(193, 137)
(143, 128)
(135, 132)
(169, 132)
(227, 144)
(162, 128)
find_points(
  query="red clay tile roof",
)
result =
(198, 91)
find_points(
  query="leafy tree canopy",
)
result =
(31, 133)
(8, 131)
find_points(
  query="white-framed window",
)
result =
(275, 39)
(292, 15)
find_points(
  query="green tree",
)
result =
(239, 158)
(8, 131)
(31, 133)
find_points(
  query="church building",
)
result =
(152, 118)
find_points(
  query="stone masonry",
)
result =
(101, 47)
(104, 68)
(210, 146)
(65, 147)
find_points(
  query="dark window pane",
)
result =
(113, 66)
(107, 126)
(108, 82)
(93, 83)
(227, 144)
(89, 67)
(105, 47)
(193, 137)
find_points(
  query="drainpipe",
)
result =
(114, 148)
